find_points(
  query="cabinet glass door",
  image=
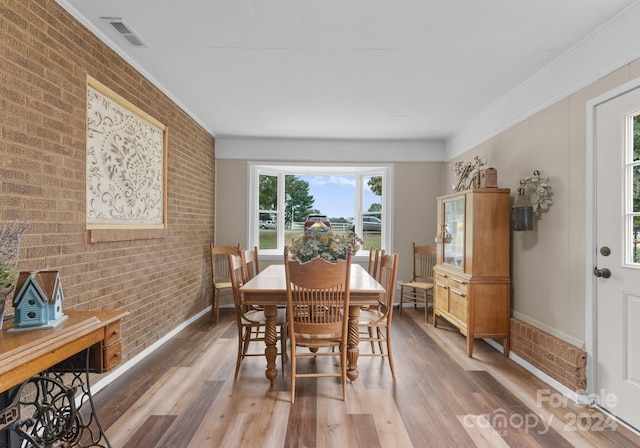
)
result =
(454, 221)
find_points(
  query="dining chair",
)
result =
(250, 263)
(417, 289)
(251, 268)
(317, 307)
(377, 320)
(251, 322)
(220, 274)
(374, 256)
(373, 269)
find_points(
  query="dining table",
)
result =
(268, 289)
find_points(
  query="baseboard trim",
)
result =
(103, 382)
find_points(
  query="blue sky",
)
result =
(335, 195)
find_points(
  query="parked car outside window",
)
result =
(315, 218)
(369, 224)
(267, 224)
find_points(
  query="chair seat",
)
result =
(317, 340)
(258, 316)
(419, 285)
(223, 285)
(371, 316)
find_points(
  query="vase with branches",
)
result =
(10, 236)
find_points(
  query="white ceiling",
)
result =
(347, 69)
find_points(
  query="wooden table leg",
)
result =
(352, 343)
(270, 339)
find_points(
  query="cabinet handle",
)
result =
(460, 293)
(441, 275)
(442, 285)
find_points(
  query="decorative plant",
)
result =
(329, 245)
(541, 190)
(464, 170)
(9, 248)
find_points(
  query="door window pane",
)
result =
(632, 193)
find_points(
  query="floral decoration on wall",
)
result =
(125, 163)
(539, 190)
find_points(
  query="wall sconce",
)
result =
(534, 198)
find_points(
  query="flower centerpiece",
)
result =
(9, 248)
(328, 245)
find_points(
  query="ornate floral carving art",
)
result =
(125, 164)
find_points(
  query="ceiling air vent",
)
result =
(125, 31)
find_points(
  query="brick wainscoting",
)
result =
(560, 360)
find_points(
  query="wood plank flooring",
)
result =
(184, 395)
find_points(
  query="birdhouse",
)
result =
(38, 299)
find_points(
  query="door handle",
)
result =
(604, 272)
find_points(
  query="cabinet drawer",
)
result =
(112, 333)
(112, 355)
(440, 276)
(458, 304)
(441, 295)
(458, 283)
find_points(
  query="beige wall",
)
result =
(417, 184)
(548, 264)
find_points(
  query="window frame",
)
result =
(631, 164)
(360, 170)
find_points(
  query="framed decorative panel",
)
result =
(126, 163)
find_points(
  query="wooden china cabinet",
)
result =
(472, 284)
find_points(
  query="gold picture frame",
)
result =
(126, 163)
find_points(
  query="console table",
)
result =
(43, 373)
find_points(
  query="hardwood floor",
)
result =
(184, 395)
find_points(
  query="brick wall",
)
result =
(560, 360)
(162, 278)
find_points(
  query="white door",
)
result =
(617, 229)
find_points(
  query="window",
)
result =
(353, 197)
(632, 196)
